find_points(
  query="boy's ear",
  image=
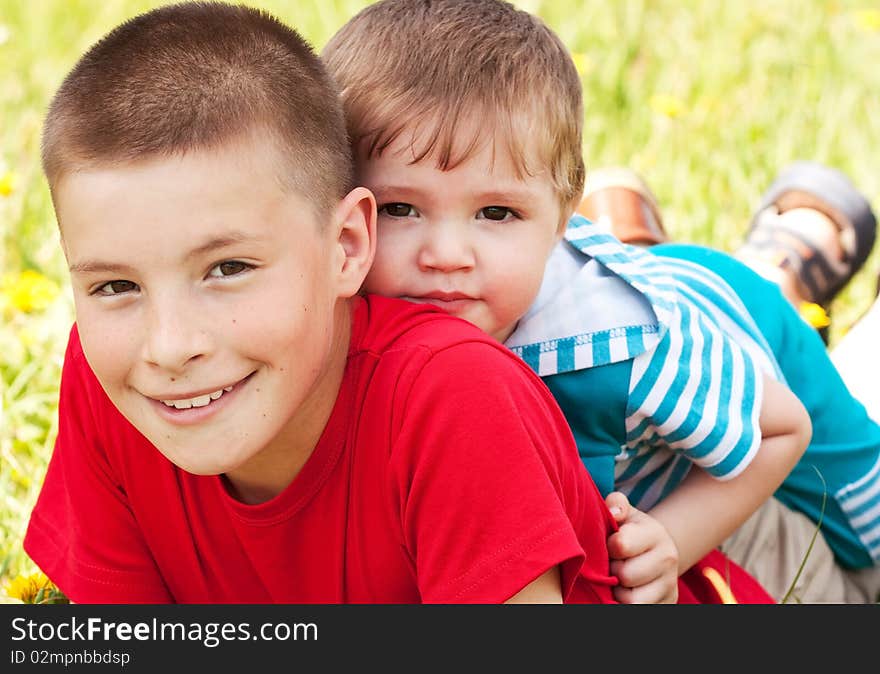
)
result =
(355, 227)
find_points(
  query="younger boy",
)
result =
(465, 119)
(236, 424)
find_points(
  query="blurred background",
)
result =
(707, 99)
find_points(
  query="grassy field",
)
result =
(706, 98)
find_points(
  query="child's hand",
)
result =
(643, 556)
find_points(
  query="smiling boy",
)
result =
(236, 423)
(180, 337)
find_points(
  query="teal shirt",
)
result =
(594, 403)
(843, 457)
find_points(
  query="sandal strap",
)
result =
(787, 247)
(834, 189)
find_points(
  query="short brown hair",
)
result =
(426, 63)
(192, 76)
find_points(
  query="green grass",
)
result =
(753, 85)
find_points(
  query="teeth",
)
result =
(198, 401)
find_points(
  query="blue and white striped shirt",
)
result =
(657, 361)
(695, 383)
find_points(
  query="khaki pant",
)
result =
(772, 544)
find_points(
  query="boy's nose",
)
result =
(447, 249)
(175, 337)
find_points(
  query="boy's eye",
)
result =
(398, 210)
(115, 288)
(495, 213)
(228, 268)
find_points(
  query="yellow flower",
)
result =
(815, 315)
(7, 184)
(582, 62)
(867, 19)
(34, 589)
(23, 481)
(29, 291)
(666, 105)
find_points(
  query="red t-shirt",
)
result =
(446, 474)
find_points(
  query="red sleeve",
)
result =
(82, 533)
(490, 489)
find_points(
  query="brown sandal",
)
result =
(826, 190)
(618, 198)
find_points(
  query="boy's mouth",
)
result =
(451, 302)
(197, 401)
(188, 403)
(444, 296)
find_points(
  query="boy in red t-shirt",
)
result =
(236, 423)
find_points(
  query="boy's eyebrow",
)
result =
(95, 266)
(219, 242)
(398, 190)
(223, 241)
(512, 195)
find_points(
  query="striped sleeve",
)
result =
(860, 503)
(698, 395)
(714, 297)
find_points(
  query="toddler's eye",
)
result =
(495, 213)
(398, 210)
(229, 268)
(115, 288)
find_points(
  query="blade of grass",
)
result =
(803, 564)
